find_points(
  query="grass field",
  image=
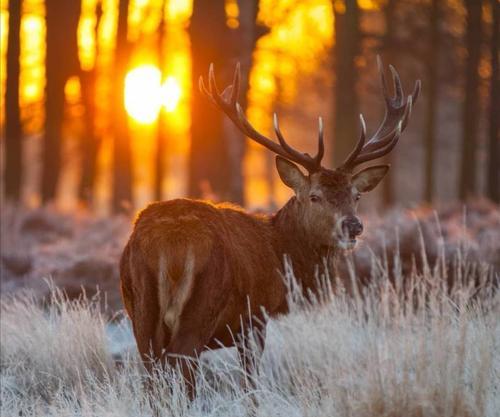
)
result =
(421, 337)
(418, 349)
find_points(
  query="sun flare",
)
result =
(145, 94)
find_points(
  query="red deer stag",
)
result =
(193, 272)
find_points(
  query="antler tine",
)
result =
(282, 140)
(359, 146)
(383, 81)
(416, 90)
(235, 92)
(397, 114)
(311, 164)
(375, 143)
(407, 114)
(321, 143)
(212, 93)
(204, 90)
(398, 88)
(212, 84)
(380, 152)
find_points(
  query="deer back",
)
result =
(194, 250)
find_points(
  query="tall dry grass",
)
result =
(406, 346)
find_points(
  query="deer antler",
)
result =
(397, 113)
(228, 103)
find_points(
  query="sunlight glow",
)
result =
(232, 14)
(32, 57)
(142, 93)
(145, 94)
(170, 94)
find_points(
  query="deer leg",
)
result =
(195, 323)
(151, 334)
(182, 352)
(190, 337)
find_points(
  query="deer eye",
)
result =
(357, 197)
(315, 198)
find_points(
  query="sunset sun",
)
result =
(145, 94)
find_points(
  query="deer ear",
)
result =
(290, 174)
(367, 179)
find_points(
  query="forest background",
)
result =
(100, 110)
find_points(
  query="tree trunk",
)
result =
(209, 167)
(91, 141)
(13, 128)
(61, 62)
(494, 148)
(388, 48)
(161, 134)
(248, 34)
(122, 153)
(471, 104)
(432, 65)
(347, 42)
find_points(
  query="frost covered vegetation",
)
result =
(409, 341)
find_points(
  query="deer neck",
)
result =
(305, 254)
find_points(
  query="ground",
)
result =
(419, 337)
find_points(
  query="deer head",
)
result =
(326, 198)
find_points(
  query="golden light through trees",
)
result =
(289, 60)
(290, 73)
(300, 35)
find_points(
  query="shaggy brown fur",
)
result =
(193, 273)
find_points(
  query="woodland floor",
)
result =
(422, 340)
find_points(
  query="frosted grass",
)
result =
(406, 347)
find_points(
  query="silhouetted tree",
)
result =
(161, 134)
(494, 146)
(347, 44)
(61, 62)
(246, 37)
(432, 65)
(388, 48)
(471, 104)
(122, 154)
(13, 128)
(91, 140)
(209, 168)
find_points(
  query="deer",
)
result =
(194, 274)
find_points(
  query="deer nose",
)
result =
(352, 227)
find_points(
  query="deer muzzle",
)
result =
(351, 227)
(348, 229)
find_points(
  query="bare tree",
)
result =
(347, 44)
(61, 62)
(13, 127)
(388, 48)
(122, 154)
(473, 39)
(494, 148)
(248, 34)
(91, 140)
(161, 134)
(431, 65)
(208, 160)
